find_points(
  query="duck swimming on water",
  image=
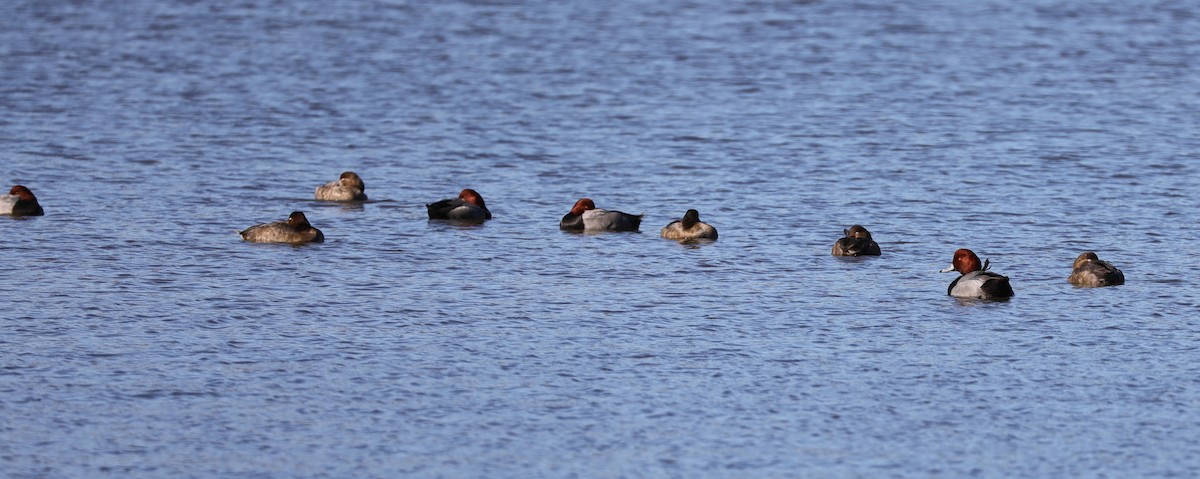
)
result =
(1090, 270)
(469, 206)
(348, 187)
(584, 216)
(20, 202)
(688, 228)
(976, 281)
(295, 229)
(857, 242)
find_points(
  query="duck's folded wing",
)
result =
(441, 210)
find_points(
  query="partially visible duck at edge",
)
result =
(348, 187)
(295, 229)
(976, 281)
(20, 202)
(1089, 270)
(584, 216)
(469, 206)
(689, 228)
(857, 242)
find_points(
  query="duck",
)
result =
(689, 228)
(296, 229)
(857, 242)
(469, 206)
(976, 281)
(1090, 271)
(348, 187)
(584, 216)
(20, 202)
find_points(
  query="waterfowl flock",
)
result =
(975, 281)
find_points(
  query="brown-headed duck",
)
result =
(469, 206)
(689, 228)
(348, 187)
(976, 281)
(295, 229)
(20, 202)
(1089, 270)
(584, 216)
(857, 242)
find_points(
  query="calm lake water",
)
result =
(143, 338)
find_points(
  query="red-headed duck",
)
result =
(1091, 271)
(295, 229)
(469, 206)
(348, 187)
(976, 281)
(20, 202)
(689, 228)
(584, 216)
(857, 242)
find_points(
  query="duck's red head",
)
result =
(22, 192)
(582, 205)
(965, 261)
(472, 197)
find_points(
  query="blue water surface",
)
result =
(143, 338)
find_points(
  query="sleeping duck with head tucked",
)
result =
(20, 202)
(348, 187)
(584, 216)
(1091, 271)
(294, 230)
(857, 242)
(689, 228)
(468, 207)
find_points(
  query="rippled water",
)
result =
(142, 337)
